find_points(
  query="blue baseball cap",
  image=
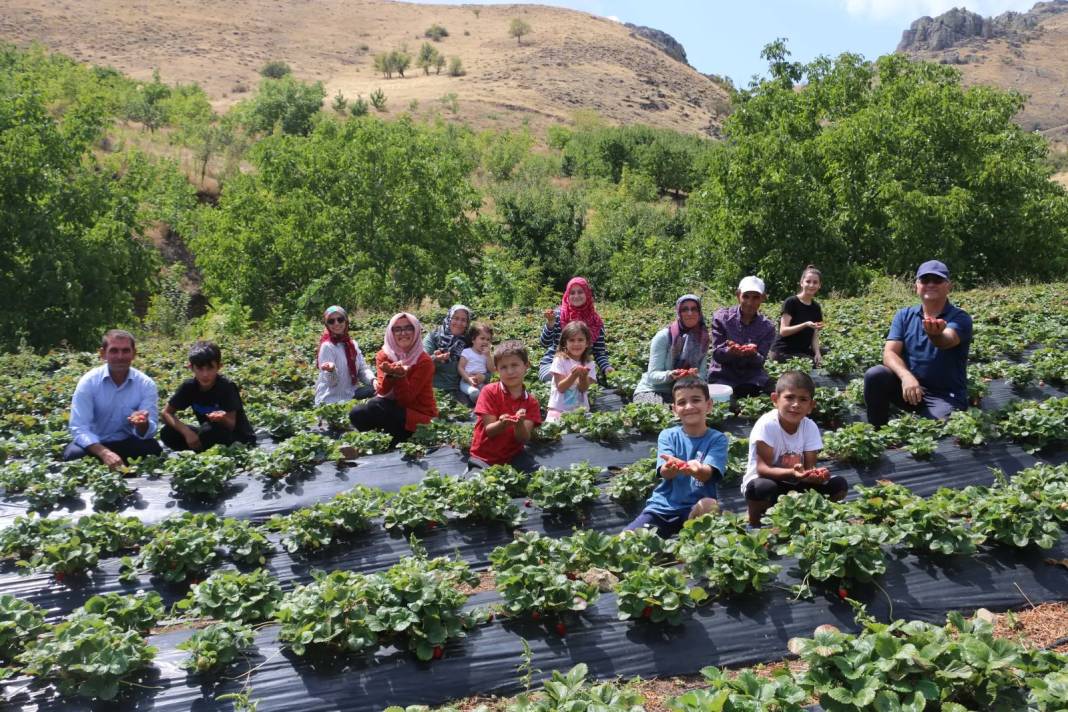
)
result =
(934, 267)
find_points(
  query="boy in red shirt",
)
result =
(507, 414)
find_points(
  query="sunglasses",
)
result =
(409, 329)
(336, 320)
(931, 279)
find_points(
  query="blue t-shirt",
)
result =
(941, 372)
(678, 495)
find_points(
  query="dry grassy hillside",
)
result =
(571, 60)
(1034, 63)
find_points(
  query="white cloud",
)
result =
(913, 9)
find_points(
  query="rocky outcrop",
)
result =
(665, 42)
(959, 25)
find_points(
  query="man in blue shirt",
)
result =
(925, 357)
(113, 413)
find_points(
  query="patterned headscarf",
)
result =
(688, 346)
(393, 350)
(447, 341)
(343, 338)
(587, 312)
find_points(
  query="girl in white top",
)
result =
(343, 373)
(476, 362)
(572, 370)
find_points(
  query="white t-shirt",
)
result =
(476, 362)
(572, 398)
(336, 386)
(787, 448)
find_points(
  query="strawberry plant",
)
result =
(719, 414)
(413, 452)
(246, 544)
(45, 494)
(883, 503)
(416, 507)
(199, 475)
(335, 416)
(1048, 693)
(559, 490)
(182, 547)
(858, 443)
(297, 455)
(25, 534)
(1033, 425)
(109, 489)
(570, 691)
(112, 533)
(606, 426)
(280, 423)
(737, 457)
(436, 433)
(20, 622)
(371, 442)
(233, 596)
(746, 692)
(971, 428)
(417, 605)
(717, 549)
(660, 595)
(65, 557)
(322, 525)
(635, 482)
(1050, 365)
(925, 527)
(1047, 484)
(514, 481)
(832, 407)
(547, 432)
(626, 551)
(529, 548)
(87, 656)
(646, 418)
(329, 613)
(797, 512)
(483, 498)
(16, 476)
(542, 590)
(753, 407)
(139, 612)
(213, 648)
(1014, 518)
(841, 551)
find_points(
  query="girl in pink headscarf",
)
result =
(404, 384)
(575, 305)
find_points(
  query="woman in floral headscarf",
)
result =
(575, 305)
(445, 344)
(343, 374)
(679, 349)
(404, 393)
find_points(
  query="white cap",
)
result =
(751, 284)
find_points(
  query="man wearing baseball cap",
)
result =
(741, 339)
(925, 357)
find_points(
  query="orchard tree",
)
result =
(870, 168)
(287, 103)
(367, 213)
(428, 57)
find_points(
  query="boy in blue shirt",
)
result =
(692, 458)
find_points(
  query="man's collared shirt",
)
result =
(941, 372)
(99, 408)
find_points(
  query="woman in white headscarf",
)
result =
(445, 344)
(679, 349)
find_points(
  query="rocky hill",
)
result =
(570, 61)
(1026, 51)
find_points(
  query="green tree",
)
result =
(517, 28)
(287, 103)
(368, 213)
(502, 151)
(870, 168)
(542, 224)
(147, 105)
(275, 69)
(428, 57)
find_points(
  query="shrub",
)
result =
(378, 99)
(275, 69)
(517, 28)
(286, 103)
(436, 32)
(456, 67)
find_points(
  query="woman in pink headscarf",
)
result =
(575, 305)
(404, 383)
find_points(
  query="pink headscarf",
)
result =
(391, 348)
(587, 313)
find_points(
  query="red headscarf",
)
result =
(343, 338)
(587, 312)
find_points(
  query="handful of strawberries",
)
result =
(741, 349)
(394, 368)
(683, 372)
(817, 474)
(933, 325)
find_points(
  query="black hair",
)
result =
(117, 334)
(689, 382)
(797, 380)
(204, 353)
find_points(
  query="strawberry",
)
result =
(561, 629)
(535, 616)
(843, 593)
(431, 524)
(438, 652)
(570, 576)
(489, 617)
(647, 611)
(60, 576)
(528, 503)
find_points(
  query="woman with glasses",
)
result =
(679, 349)
(343, 373)
(403, 385)
(445, 344)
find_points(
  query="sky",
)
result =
(725, 37)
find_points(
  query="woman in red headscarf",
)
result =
(575, 305)
(343, 374)
(404, 384)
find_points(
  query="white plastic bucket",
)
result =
(720, 393)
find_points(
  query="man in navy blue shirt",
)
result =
(925, 357)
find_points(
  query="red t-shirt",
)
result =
(496, 400)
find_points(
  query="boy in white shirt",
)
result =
(783, 447)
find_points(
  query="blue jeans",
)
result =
(666, 525)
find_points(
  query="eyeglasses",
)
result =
(931, 279)
(409, 329)
(685, 310)
(336, 320)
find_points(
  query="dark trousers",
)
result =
(130, 447)
(208, 433)
(882, 388)
(765, 489)
(381, 414)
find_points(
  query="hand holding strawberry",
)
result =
(550, 318)
(672, 465)
(326, 366)
(683, 373)
(933, 326)
(440, 356)
(216, 415)
(138, 417)
(817, 475)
